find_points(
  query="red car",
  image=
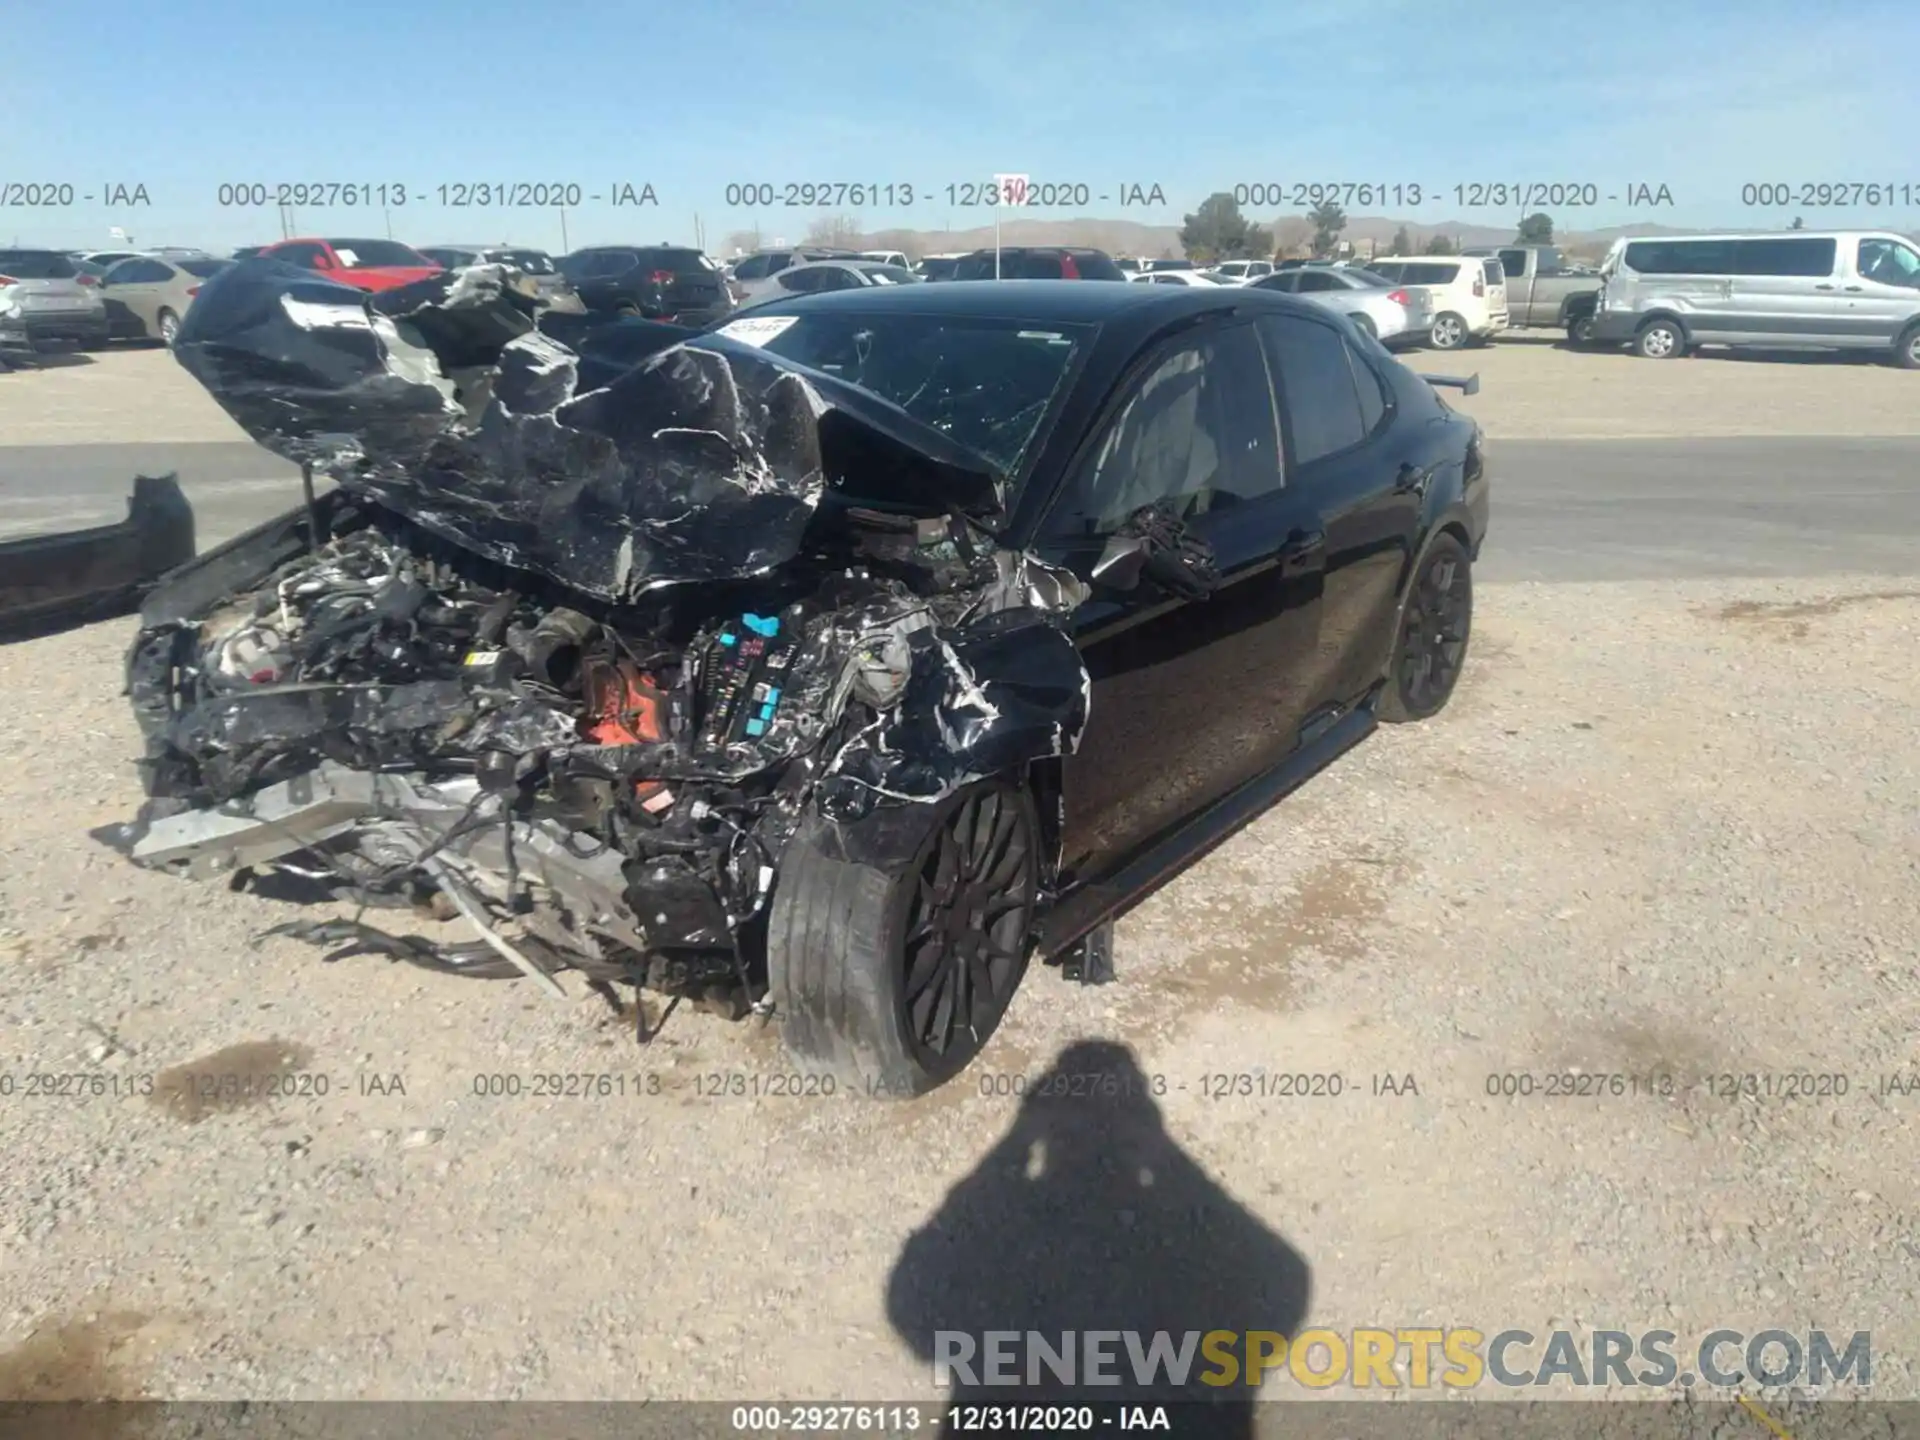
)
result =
(368, 264)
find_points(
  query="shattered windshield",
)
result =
(989, 384)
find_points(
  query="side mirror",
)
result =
(1122, 563)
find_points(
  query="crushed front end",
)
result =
(564, 670)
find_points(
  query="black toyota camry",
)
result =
(832, 665)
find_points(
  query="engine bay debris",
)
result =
(573, 663)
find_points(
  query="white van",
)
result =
(1469, 295)
(1791, 290)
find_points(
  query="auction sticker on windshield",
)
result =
(758, 330)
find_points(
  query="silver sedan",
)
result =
(1392, 314)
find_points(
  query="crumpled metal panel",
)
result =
(705, 461)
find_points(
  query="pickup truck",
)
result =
(1542, 294)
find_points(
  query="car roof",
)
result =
(636, 245)
(1066, 302)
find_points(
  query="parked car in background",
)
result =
(364, 264)
(1039, 262)
(146, 297)
(1157, 266)
(1797, 289)
(1176, 277)
(937, 267)
(656, 282)
(537, 265)
(1237, 270)
(817, 277)
(106, 259)
(247, 252)
(1469, 295)
(896, 258)
(43, 302)
(1395, 315)
(1132, 264)
(1542, 292)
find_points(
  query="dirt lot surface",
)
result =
(1667, 832)
(1532, 387)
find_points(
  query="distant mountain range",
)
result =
(1290, 232)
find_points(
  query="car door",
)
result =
(1520, 288)
(133, 291)
(1339, 412)
(1786, 290)
(1191, 697)
(1883, 292)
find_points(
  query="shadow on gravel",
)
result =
(1088, 1216)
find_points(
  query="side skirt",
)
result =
(1094, 902)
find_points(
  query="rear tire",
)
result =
(895, 983)
(168, 324)
(1660, 340)
(1436, 624)
(1906, 350)
(1449, 331)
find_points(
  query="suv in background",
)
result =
(1469, 295)
(42, 299)
(675, 283)
(1040, 262)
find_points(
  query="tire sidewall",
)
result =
(936, 1071)
(1458, 327)
(167, 335)
(1678, 347)
(1393, 704)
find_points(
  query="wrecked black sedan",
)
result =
(830, 666)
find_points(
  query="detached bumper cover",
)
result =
(89, 573)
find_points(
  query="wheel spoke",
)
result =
(925, 966)
(979, 985)
(944, 1007)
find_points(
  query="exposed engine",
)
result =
(568, 666)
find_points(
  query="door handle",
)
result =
(1823, 287)
(1855, 289)
(1302, 546)
(1412, 480)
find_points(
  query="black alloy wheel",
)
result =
(1435, 625)
(969, 915)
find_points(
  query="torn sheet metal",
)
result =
(576, 660)
(705, 461)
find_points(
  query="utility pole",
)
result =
(565, 248)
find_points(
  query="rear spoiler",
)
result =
(1465, 384)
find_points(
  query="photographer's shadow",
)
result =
(1087, 1216)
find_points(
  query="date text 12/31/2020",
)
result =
(1008, 191)
(1469, 195)
(448, 195)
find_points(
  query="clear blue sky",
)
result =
(1700, 95)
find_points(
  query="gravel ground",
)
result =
(1666, 829)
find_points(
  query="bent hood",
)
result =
(442, 400)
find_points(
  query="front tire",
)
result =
(1580, 332)
(1906, 350)
(1436, 624)
(895, 983)
(1660, 340)
(1449, 331)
